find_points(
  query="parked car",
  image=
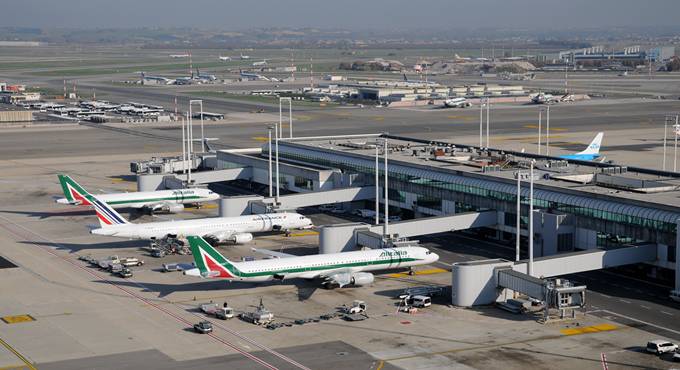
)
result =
(660, 346)
(125, 273)
(203, 327)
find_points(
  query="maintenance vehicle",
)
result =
(261, 316)
(221, 312)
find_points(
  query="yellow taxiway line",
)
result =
(19, 355)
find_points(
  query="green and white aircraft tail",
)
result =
(73, 192)
(209, 261)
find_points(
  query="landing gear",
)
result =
(411, 272)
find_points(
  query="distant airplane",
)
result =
(542, 98)
(225, 59)
(158, 79)
(591, 153)
(336, 269)
(456, 103)
(260, 64)
(162, 200)
(174, 56)
(244, 57)
(248, 76)
(204, 76)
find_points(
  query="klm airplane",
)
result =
(591, 153)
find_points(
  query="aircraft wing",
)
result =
(273, 253)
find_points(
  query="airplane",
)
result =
(542, 98)
(406, 79)
(456, 103)
(175, 56)
(163, 80)
(225, 59)
(260, 64)
(217, 229)
(244, 57)
(591, 153)
(247, 76)
(171, 201)
(204, 76)
(336, 269)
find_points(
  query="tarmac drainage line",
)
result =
(132, 294)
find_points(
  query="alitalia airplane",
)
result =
(336, 269)
(218, 229)
(171, 201)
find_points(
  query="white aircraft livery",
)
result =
(337, 269)
(163, 200)
(218, 229)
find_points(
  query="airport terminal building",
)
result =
(578, 206)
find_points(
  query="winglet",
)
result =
(209, 261)
(594, 147)
(74, 193)
(107, 216)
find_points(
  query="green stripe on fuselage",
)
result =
(319, 268)
(152, 200)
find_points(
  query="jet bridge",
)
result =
(477, 282)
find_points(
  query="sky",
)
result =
(346, 14)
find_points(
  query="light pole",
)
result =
(269, 129)
(519, 214)
(184, 149)
(531, 219)
(540, 119)
(665, 131)
(481, 120)
(190, 144)
(488, 113)
(547, 131)
(675, 149)
(200, 103)
(276, 134)
(386, 229)
(377, 184)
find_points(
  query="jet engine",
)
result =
(362, 278)
(241, 238)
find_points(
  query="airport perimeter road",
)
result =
(617, 297)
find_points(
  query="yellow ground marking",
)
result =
(117, 179)
(461, 118)
(302, 117)
(14, 367)
(19, 355)
(589, 329)
(379, 118)
(17, 319)
(381, 364)
(420, 272)
(305, 233)
(260, 138)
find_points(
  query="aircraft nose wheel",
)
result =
(411, 272)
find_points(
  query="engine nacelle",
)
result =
(241, 238)
(175, 208)
(168, 208)
(362, 278)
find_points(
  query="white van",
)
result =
(421, 301)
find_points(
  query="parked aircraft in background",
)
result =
(155, 201)
(591, 153)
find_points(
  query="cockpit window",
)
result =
(428, 252)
